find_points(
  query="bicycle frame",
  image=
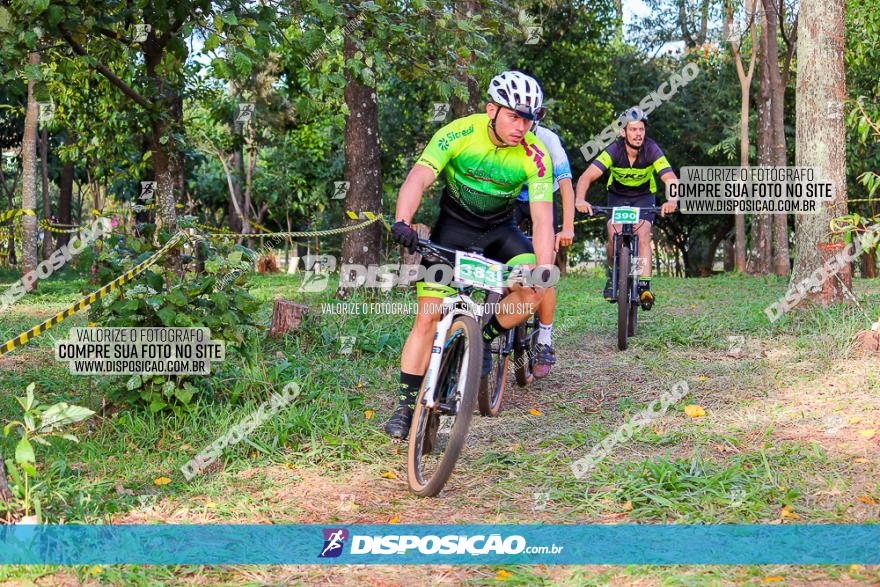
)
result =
(625, 236)
(458, 304)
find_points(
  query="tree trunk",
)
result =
(362, 166)
(465, 9)
(762, 224)
(65, 200)
(47, 208)
(821, 136)
(781, 262)
(745, 83)
(29, 181)
(869, 264)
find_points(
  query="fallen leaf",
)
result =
(855, 420)
(860, 460)
(702, 378)
(210, 504)
(389, 475)
(395, 519)
(253, 454)
(288, 465)
(360, 384)
(96, 569)
(855, 568)
(628, 506)
(772, 579)
(91, 324)
(535, 412)
(694, 411)
(868, 433)
(368, 414)
(867, 499)
(502, 575)
(161, 481)
(786, 512)
(515, 446)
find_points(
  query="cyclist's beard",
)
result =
(632, 146)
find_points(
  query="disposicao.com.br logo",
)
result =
(446, 545)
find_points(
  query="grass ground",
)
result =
(790, 435)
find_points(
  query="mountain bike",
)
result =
(625, 271)
(446, 401)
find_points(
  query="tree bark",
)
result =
(821, 135)
(781, 262)
(29, 181)
(47, 208)
(362, 166)
(745, 83)
(762, 224)
(65, 199)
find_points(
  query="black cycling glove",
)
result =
(404, 234)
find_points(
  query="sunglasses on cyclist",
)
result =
(526, 112)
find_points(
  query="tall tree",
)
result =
(775, 12)
(762, 224)
(29, 179)
(820, 135)
(362, 163)
(745, 84)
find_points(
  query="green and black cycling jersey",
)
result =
(632, 179)
(483, 180)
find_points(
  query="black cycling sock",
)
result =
(409, 390)
(493, 329)
(644, 283)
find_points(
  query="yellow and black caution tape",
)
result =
(25, 337)
(4, 216)
(368, 216)
(45, 224)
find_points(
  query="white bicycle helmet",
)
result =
(634, 114)
(519, 92)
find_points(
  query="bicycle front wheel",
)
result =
(622, 296)
(437, 434)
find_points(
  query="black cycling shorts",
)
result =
(503, 242)
(637, 201)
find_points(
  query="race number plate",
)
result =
(479, 271)
(625, 215)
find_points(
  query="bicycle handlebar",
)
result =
(606, 209)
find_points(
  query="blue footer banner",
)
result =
(440, 544)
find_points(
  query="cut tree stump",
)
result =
(267, 264)
(867, 342)
(286, 315)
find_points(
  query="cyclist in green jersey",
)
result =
(486, 159)
(631, 161)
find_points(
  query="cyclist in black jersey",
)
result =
(486, 159)
(631, 161)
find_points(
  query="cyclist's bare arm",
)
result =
(566, 235)
(419, 179)
(587, 177)
(671, 204)
(542, 231)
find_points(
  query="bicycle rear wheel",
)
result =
(492, 387)
(622, 296)
(438, 434)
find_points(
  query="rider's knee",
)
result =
(426, 323)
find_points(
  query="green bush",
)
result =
(212, 298)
